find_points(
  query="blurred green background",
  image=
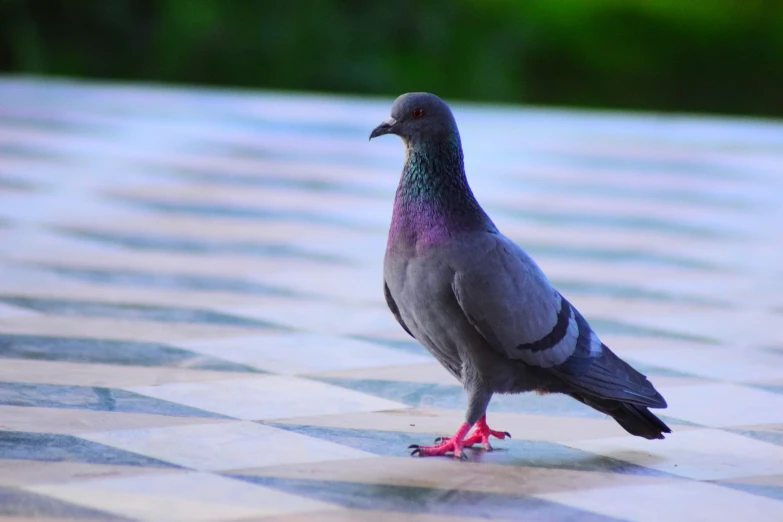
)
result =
(719, 56)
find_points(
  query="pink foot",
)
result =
(481, 433)
(449, 445)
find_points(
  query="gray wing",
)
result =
(393, 307)
(512, 304)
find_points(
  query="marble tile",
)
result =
(412, 499)
(130, 311)
(508, 452)
(729, 364)
(766, 433)
(8, 311)
(29, 472)
(262, 215)
(228, 270)
(429, 373)
(91, 398)
(453, 396)
(52, 447)
(227, 446)
(324, 318)
(85, 350)
(770, 486)
(685, 501)
(301, 353)
(293, 397)
(361, 515)
(62, 420)
(769, 491)
(444, 422)
(118, 329)
(186, 497)
(451, 474)
(700, 454)
(197, 245)
(723, 405)
(168, 281)
(102, 375)
(31, 506)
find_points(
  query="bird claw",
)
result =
(448, 446)
(456, 444)
(481, 434)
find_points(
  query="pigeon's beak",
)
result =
(385, 127)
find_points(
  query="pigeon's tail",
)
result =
(635, 419)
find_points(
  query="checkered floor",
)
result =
(192, 325)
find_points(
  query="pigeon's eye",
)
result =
(418, 113)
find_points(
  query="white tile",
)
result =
(725, 364)
(696, 454)
(431, 372)
(197, 497)
(681, 500)
(323, 317)
(723, 405)
(300, 353)
(267, 397)
(225, 446)
(8, 312)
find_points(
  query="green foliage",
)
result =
(709, 55)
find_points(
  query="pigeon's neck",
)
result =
(433, 200)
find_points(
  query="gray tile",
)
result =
(190, 245)
(14, 183)
(101, 351)
(311, 185)
(762, 490)
(253, 213)
(54, 123)
(704, 198)
(585, 220)
(411, 346)
(409, 499)
(617, 327)
(20, 445)
(166, 314)
(615, 255)
(170, 281)
(17, 503)
(16, 150)
(453, 397)
(92, 398)
(619, 291)
(645, 166)
(510, 452)
(773, 437)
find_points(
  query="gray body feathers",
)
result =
(489, 315)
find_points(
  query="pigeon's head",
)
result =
(416, 116)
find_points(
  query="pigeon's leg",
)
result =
(449, 445)
(478, 399)
(482, 433)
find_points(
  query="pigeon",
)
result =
(479, 303)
